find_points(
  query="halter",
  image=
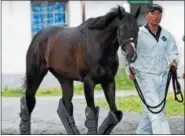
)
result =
(125, 42)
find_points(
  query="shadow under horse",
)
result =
(86, 53)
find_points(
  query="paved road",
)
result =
(46, 121)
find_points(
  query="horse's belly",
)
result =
(70, 63)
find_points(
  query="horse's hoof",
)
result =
(25, 124)
(25, 133)
(91, 120)
(67, 120)
(25, 128)
(110, 122)
(119, 115)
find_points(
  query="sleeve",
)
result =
(172, 51)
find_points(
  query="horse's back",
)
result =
(51, 30)
(65, 52)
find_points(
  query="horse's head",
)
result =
(127, 32)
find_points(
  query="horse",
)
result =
(86, 53)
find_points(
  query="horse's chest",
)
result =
(101, 74)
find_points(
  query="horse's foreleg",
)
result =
(114, 115)
(67, 119)
(65, 107)
(91, 111)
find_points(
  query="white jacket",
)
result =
(154, 57)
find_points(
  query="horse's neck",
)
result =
(109, 56)
(109, 41)
(111, 49)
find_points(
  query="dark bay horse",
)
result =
(86, 53)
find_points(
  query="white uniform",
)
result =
(154, 57)
(151, 68)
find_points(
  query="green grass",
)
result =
(122, 83)
(133, 104)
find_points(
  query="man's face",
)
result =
(154, 18)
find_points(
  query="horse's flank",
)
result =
(61, 50)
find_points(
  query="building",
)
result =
(22, 19)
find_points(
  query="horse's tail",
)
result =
(35, 61)
(36, 65)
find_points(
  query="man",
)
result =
(157, 52)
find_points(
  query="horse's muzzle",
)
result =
(132, 60)
(129, 50)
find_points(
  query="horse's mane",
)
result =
(101, 22)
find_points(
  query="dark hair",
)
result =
(153, 7)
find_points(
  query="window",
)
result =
(47, 13)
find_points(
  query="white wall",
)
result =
(16, 32)
(74, 13)
(0, 51)
(99, 8)
(16, 27)
(16, 35)
(173, 21)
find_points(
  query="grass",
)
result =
(122, 83)
(133, 104)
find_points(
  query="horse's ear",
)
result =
(120, 14)
(136, 13)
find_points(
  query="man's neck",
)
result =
(156, 31)
(153, 28)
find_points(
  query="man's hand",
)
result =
(132, 74)
(174, 64)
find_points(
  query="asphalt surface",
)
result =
(46, 121)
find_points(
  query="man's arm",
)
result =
(172, 51)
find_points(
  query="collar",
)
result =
(157, 34)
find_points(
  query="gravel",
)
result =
(46, 121)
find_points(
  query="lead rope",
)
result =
(176, 87)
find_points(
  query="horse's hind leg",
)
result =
(34, 76)
(114, 116)
(91, 111)
(65, 107)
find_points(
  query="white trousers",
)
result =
(153, 89)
